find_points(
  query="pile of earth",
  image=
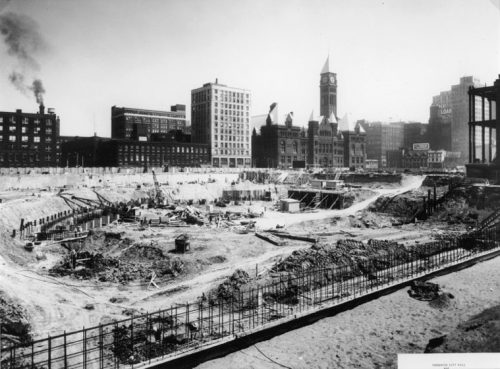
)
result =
(366, 219)
(440, 180)
(401, 206)
(355, 255)
(232, 286)
(14, 324)
(427, 291)
(456, 210)
(138, 262)
(481, 333)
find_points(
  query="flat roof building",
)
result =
(220, 117)
(29, 139)
(140, 124)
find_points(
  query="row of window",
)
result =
(231, 138)
(168, 149)
(226, 151)
(35, 130)
(13, 138)
(24, 120)
(25, 157)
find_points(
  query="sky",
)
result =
(390, 56)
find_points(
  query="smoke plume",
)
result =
(38, 90)
(24, 43)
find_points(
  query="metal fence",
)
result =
(180, 329)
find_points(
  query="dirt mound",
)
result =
(423, 291)
(401, 206)
(443, 300)
(481, 333)
(14, 321)
(88, 265)
(230, 288)
(149, 251)
(366, 219)
(440, 180)
(351, 253)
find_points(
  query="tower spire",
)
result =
(327, 68)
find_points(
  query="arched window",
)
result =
(283, 146)
(295, 147)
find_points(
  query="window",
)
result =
(12, 138)
(24, 138)
(283, 147)
(36, 139)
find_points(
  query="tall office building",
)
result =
(220, 117)
(328, 91)
(460, 116)
(382, 137)
(440, 122)
(449, 116)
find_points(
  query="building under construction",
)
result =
(483, 132)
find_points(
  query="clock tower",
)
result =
(328, 91)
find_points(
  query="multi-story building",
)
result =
(29, 139)
(382, 137)
(439, 130)
(220, 117)
(140, 124)
(279, 145)
(413, 133)
(354, 137)
(106, 152)
(449, 114)
(460, 116)
(325, 142)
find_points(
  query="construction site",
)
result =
(106, 269)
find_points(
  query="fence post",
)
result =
(84, 348)
(49, 353)
(65, 351)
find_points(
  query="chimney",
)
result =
(42, 109)
(216, 81)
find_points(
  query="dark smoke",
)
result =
(38, 90)
(21, 36)
(23, 41)
(3, 4)
(17, 80)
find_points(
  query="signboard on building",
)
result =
(421, 146)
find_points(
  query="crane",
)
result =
(158, 197)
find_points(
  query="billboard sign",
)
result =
(421, 146)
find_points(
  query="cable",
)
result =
(274, 361)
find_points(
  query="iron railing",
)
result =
(182, 328)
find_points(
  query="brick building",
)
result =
(140, 124)
(325, 142)
(106, 152)
(29, 139)
(354, 137)
(279, 145)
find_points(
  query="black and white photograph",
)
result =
(249, 184)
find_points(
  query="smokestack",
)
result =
(42, 109)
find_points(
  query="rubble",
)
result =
(14, 321)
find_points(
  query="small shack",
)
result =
(182, 243)
(290, 205)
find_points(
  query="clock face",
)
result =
(332, 79)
